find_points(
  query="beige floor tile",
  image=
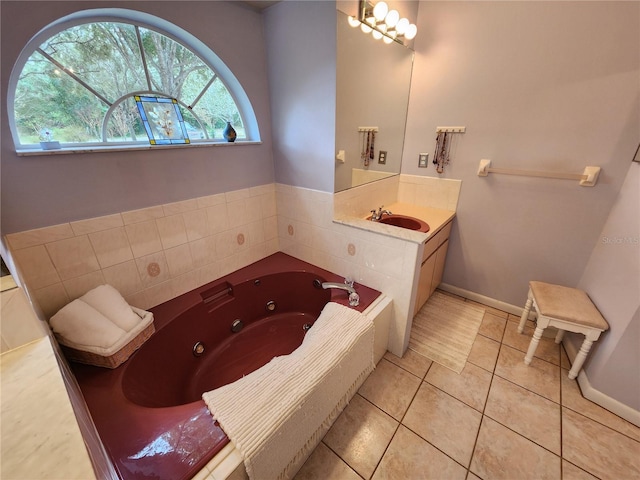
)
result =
(323, 464)
(471, 386)
(471, 476)
(484, 353)
(572, 398)
(411, 457)
(540, 377)
(390, 388)
(525, 412)
(492, 326)
(564, 359)
(597, 449)
(447, 423)
(547, 349)
(571, 472)
(411, 361)
(360, 435)
(503, 454)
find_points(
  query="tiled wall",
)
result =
(429, 191)
(150, 255)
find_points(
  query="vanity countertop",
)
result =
(40, 434)
(435, 217)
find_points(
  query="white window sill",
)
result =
(127, 148)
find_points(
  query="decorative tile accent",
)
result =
(153, 269)
(351, 249)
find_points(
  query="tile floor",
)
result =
(498, 419)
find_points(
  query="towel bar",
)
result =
(588, 178)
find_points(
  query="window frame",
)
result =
(144, 20)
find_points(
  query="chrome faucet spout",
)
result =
(354, 298)
(377, 216)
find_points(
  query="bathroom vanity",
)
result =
(432, 265)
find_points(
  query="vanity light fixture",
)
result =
(383, 23)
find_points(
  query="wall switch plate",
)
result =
(423, 160)
(382, 157)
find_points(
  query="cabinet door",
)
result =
(438, 269)
(424, 284)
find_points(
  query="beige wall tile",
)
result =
(211, 200)
(179, 260)
(172, 231)
(179, 207)
(196, 224)
(78, 286)
(83, 227)
(159, 293)
(36, 266)
(143, 238)
(236, 195)
(124, 277)
(73, 257)
(111, 246)
(39, 236)
(51, 299)
(142, 215)
(184, 283)
(153, 269)
(237, 213)
(203, 251)
(217, 218)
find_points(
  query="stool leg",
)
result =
(525, 314)
(533, 345)
(559, 336)
(580, 358)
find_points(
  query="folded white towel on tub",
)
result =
(279, 413)
(80, 324)
(108, 301)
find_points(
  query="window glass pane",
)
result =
(48, 99)
(125, 124)
(104, 55)
(216, 108)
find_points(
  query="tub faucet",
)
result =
(354, 298)
(377, 216)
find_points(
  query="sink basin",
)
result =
(404, 221)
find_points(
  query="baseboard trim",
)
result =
(476, 297)
(596, 396)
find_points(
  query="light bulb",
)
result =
(376, 34)
(392, 18)
(411, 32)
(371, 21)
(402, 25)
(354, 22)
(365, 28)
(387, 40)
(380, 11)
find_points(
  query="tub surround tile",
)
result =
(471, 386)
(175, 208)
(497, 443)
(39, 236)
(323, 463)
(51, 299)
(124, 277)
(217, 218)
(73, 257)
(144, 238)
(179, 260)
(390, 388)
(78, 286)
(445, 422)
(572, 398)
(172, 231)
(526, 413)
(92, 225)
(142, 215)
(153, 269)
(40, 436)
(210, 200)
(111, 246)
(36, 266)
(607, 454)
(196, 224)
(203, 251)
(360, 435)
(410, 456)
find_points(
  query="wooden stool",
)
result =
(566, 309)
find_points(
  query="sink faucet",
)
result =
(377, 216)
(354, 298)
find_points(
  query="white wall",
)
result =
(539, 86)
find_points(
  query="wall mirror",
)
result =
(372, 90)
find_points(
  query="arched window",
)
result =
(76, 81)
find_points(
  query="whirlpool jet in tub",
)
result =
(149, 412)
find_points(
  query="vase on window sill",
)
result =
(51, 145)
(229, 133)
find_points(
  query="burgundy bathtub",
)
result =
(149, 412)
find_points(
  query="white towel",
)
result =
(278, 414)
(108, 301)
(81, 325)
